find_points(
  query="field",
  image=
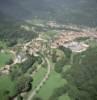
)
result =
(38, 77)
(6, 85)
(3, 45)
(50, 34)
(4, 57)
(64, 97)
(52, 83)
(92, 42)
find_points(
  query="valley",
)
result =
(39, 64)
(48, 49)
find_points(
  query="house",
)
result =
(20, 57)
(76, 46)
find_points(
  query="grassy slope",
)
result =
(64, 97)
(3, 45)
(53, 82)
(4, 57)
(6, 84)
(38, 77)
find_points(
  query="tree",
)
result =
(54, 56)
(19, 97)
(37, 98)
(27, 64)
(82, 77)
(66, 51)
(58, 92)
(9, 62)
(15, 72)
(24, 84)
(60, 64)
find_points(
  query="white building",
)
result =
(20, 57)
(76, 46)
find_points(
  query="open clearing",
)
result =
(6, 85)
(4, 57)
(64, 97)
(38, 77)
(53, 82)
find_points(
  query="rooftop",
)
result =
(76, 46)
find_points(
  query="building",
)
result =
(20, 57)
(76, 46)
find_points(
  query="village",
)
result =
(68, 39)
(44, 46)
(64, 38)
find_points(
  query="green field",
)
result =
(49, 35)
(38, 77)
(64, 97)
(3, 45)
(52, 83)
(6, 85)
(91, 43)
(37, 21)
(4, 57)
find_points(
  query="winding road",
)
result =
(32, 75)
(33, 93)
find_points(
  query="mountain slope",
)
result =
(68, 11)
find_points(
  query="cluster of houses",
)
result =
(30, 48)
(35, 46)
(21, 51)
(67, 38)
(76, 46)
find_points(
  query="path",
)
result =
(33, 93)
(37, 69)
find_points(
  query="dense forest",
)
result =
(11, 32)
(82, 77)
(82, 12)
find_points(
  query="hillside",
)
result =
(67, 11)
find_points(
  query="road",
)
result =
(33, 93)
(38, 67)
